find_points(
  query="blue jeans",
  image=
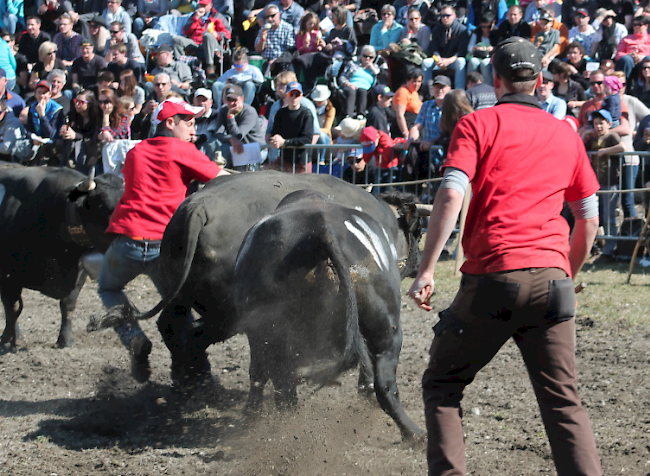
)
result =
(429, 66)
(630, 173)
(625, 64)
(324, 139)
(607, 208)
(249, 92)
(125, 260)
(484, 66)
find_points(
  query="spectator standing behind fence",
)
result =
(636, 111)
(326, 113)
(479, 95)
(517, 276)
(115, 12)
(384, 151)
(29, 42)
(275, 37)
(381, 115)
(237, 123)
(242, 73)
(204, 29)
(356, 80)
(407, 102)
(293, 126)
(425, 129)
(387, 31)
(604, 145)
(80, 133)
(118, 36)
(68, 41)
(597, 86)
(550, 103)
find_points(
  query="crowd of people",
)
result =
(80, 74)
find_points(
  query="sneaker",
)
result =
(140, 348)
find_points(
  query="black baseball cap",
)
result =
(233, 91)
(383, 90)
(516, 53)
(442, 80)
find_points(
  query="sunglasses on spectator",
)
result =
(271, 15)
(160, 84)
(131, 108)
(599, 83)
(369, 56)
(414, 18)
(445, 15)
(52, 52)
(93, 25)
(646, 67)
(80, 101)
(239, 65)
(115, 32)
(295, 94)
(386, 14)
(104, 101)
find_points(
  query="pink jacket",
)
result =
(633, 44)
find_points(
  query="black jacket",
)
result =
(456, 45)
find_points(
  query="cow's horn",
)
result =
(89, 184)
(424, 210)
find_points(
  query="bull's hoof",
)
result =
(7, 347)
(140, 348)
(63, 342)
(414, 438)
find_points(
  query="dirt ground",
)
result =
(78, 411)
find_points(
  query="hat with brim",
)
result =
(604, 113)
(349, 127)
(582, 13)
(547, 75)
(205, 92)
(294, 86)
(383, 90)
(233, 91)
(43, 84)
(165, 47)
(544, 15)
(99, 20)
(172, 108)
(442, 80)
(515, 54)
(321, 93)
(368, 139)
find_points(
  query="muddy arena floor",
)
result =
(78, 411)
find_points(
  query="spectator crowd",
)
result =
(394, 77)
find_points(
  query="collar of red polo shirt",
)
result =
(172, 108)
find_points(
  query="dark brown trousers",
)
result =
(536, 308)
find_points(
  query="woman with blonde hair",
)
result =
(47, 61)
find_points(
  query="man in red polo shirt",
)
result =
(520, 261)
(156, 173)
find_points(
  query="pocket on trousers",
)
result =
(561, 305)
(494, 299)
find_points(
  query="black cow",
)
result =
(49, 218)
(317, 289)
(200, 245)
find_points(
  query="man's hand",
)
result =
(277, 141)
(150, 107)
(444, 62)
(422, 290)
(74, 16)
(67, 132)
(106, 137)
(40, 107)
(237, 145)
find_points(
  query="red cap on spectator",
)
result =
(43, 84)
(171, 109)
(205, 2)
(368, 138)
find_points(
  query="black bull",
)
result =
(50, 218)
(317, 289)
(200, 246)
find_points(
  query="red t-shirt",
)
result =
(383, 153)
(156, 175)
(523, 164)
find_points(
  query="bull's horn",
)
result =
(89, 184)
(423, 210)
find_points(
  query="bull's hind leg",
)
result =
(67, 306)
(13, 306)
(258, 376)
(366, 384)
(386, 387)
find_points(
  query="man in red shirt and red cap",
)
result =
(156, 173)
(380, 146)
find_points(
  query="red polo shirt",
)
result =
(523, 164)
(157, 173)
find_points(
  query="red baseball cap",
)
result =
(171, 109)
(43, 84)
(205, 2)
(368, 138)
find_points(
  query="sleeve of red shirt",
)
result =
(197, 166)
(220, 28)
(584, 182)
(463, 150)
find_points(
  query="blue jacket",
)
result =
(7, 60)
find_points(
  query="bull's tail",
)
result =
(355, 346)
(194, 223)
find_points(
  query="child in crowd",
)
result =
(612, 101)
(309, 39)
(603, 145)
